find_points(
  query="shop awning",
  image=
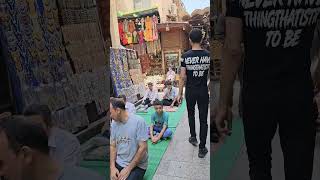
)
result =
(162, 27)
(140, 13)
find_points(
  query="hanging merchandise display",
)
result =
(34, 51)
(35, 47)
(155, 21)
(141, 34)
(126, 73)
(138, 30)
(148, 34)
(119, 69)
(145, 63)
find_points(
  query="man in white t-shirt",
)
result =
(150, 95)
(171, 75)
(129, 106)
(170, 95)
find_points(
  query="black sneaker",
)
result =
(193, 141)
(202, 152)
(214, 138)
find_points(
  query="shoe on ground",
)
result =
(202, 152)
(214, 138)
(193, 141)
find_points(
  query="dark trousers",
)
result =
(168, 102)
(147, 102)
(136, 174)
(199, 96)
(295, 121)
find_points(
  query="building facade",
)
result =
(169, 10)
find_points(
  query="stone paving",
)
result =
(180, 161)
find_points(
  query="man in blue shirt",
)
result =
(24, 153)
(64, 146)
(159, 123)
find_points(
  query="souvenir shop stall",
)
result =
(175, 41)
(127, 78)
(55, 55)
(138, 31)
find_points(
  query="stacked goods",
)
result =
(132, 92)
(38, 64)
(85, 46)
(71, 93)
(82, 34)
(133, 61)
(77, 12)
(136, 76)
(33, 47)
(119, 69)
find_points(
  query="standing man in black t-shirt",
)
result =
(277, 83)
(195, 65)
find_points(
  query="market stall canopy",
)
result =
(140, 13)
(163, 27)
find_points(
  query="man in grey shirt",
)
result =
(128, 143)
(64, 146)
(24, 154)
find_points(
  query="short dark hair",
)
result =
(150, 83)
(41, 110)
(195, 35)
(157, 103)
(168, 83)
(21, 131)
(123, 97)
(118, 103)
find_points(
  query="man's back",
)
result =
(277, 39)
(197, 64)
(64, 146)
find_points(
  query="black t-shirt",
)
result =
(277, 37)
(197, 64)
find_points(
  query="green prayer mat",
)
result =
(157, 151)
(224, 159)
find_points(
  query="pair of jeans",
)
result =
(166, 134)
(199, 96)
(295, 121)
(168, 102)
(147, 102)
(136, 174)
